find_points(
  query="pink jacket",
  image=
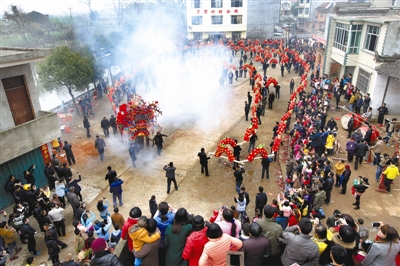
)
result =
(214, 253)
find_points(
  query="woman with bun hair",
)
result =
(219, 243)
(384, 250)
(195, 242)
(227, 223)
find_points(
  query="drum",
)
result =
(375, 133)
(358, 120)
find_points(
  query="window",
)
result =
(236, 19)
(196, 4)
(236, 35)
(301, 1)
(355, 37)
(197, 20)
(216, 3)
(363, 80)
(307, 1)
(307, 10)
(341, 36)
(236, 3)
(300, 10)
(198, 35)
(371, 38)
(216, 20)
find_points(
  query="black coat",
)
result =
(261, 201)
(68, 149)
(105, 258)
(111, 176)
(239, 175)
(265, 162)
(361, 149)
(86, 123)
(105, 124)
(203, 158)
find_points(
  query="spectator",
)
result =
(214, 252)
(102, 256)
(195, 242)
(117, 218)
(256, 247)
(300, 248)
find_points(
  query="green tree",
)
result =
(67, 69)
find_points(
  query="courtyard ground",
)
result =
(197, 193)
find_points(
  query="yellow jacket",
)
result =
(351, 99)
(8, 235)
(330, 140)
(140, 236)
(321, 242)
(391, 172)
(339, 168)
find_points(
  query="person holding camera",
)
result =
(170, 174)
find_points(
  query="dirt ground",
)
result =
(198, 193)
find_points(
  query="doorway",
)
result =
(18, 99)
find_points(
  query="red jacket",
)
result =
(125, 231)
(194, 246)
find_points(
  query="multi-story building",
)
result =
(364, 40)
(308, 13)
(215, 19)
(25, 130)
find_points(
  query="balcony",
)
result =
(319, 36)
(29, 136)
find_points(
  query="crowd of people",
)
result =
(287, 231)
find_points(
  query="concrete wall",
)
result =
(7, 121)
(391, 46)
(262, 17)
(28, 136)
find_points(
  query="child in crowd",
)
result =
(117, 233)
(139, 234)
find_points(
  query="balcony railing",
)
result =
(29, 136)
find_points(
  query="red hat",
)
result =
(98, 244)
(347, 167)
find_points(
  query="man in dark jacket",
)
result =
(261, 199)
(105, 124)
(100, 145)
(50, 174)
(328, 186)
(316, 141)
(236, 152)
(68, 151)
(255, 247)
(300, 248)
(252, 142)
(66, 171)
(74, 183)
(249, 97)
(111, 175)
(350, 125)
(113, 124)
(28, 232)
(170, 174)
(116, 190)
(382, 111)
(360, 151)
(246, 110)
(265, 167)
(86, 124)
(158, 141)
(239, 177)
(103, 256)
(203, 161)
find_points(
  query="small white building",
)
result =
(359, 41)
(216, 19)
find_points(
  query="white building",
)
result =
(360, 41)
(216, 19)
